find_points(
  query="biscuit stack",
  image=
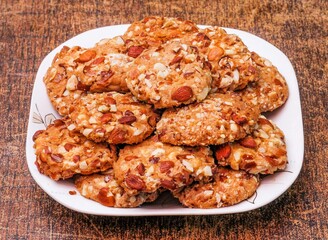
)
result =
(164, 107)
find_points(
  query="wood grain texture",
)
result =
(31, 29)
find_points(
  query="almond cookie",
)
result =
(77, 70)
(263, 151)
(270, 91)
(227, 56)
(101, 68)
(218, 119)
(56, 80)
(153, 31)
(103, 188)
(153, 165)
(170, 75)
(113, 117)
(232, 65)
(61, 153)
(229, 187)
(108, 71)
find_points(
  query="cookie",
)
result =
(56, 80)
(270, 91)
(77, 70)
(170, 75)
(263, 151)
(113, 117)
(229, 59)
(108, 72)
(153, 31)
(153, 165)
(229, 187)
(232, 65)
(60, 153)
(103, 188)
(218, 119)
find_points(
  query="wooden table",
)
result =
(30, 29)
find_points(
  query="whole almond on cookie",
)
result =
(135, 51)
(182, 94)
(248, 142)
(223, 152)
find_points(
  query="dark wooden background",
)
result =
(30, 29)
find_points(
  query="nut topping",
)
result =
(141, 169)
(69, 146)
(165, 166)
(36, 134)
(248, 142)
(153, 159)
(169, 184)
(57, 157)
(239, 119)
(265, 121)
(182, 94)
(76, 158)
(117, 136)
(82, 87)
(223, 152)
(109, 100)
(104, 199)
(127, 120)
(129, 158)
(135, 182)
(98, 61)
(176, 59)
(86, 56)
(106, 117)
(215, 54)
(135, 51)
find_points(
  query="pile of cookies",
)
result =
(167, 106)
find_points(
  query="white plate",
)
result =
(288, 118)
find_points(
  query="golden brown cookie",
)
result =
(218, 119)
(108, 72)
(113, 117)
(60, 153)
(153, 165)
(232, 65)
(270, 91)
(56, 80)
(263, 151)
(170, 75)
(103, 188)
(229, 187)
(229, 59)
(77, 70)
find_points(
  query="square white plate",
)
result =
(288, 118)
